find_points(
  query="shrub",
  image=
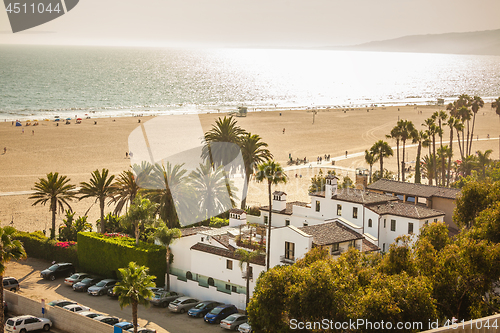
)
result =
(216, 222)
(104, 254)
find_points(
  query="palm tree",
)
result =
(422, 139)
(432, 129)
(167, 187)
(428, 168)
(212, 195)
(496, 105)
(406, 129)
(246, 258)
(444, 153)
(452, 122)
(464, 114)
(100, 187)
(396, 135)
(370, 159)
(56, 191)
(380, 150)
(476, 103)
(141, 212)
(467, 165)
(273, 173)
(125, 189)
(9, 249)
(483, 160)
(166, 237)
(133, 288)
(254, 152)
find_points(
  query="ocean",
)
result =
(67, 81)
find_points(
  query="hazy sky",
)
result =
(254, 22)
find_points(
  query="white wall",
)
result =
(373, 231)
(287, 234)
(180, 250)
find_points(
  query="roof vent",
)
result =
(392, 205)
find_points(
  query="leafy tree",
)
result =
(318, 181)
(133, 288)
(141, 212)
(483, 160)
(347, 183)
(71, 227)
(100, 187)
(273, 173)
(381, 150)
(10, 249)
(167, 237)
(246, 258)
(113, 223)
(496, 106)
(56, 191)
(254, 152)
(217, 222)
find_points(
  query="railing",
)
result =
(286, 260)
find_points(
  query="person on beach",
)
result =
(126, 154)
(346, 154)
(283, 130)
(32, 132)
(22, 132)
(4, 150)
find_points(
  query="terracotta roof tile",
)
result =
(193, 230)
(288, 209)
(419, 190)
(330, 233)
(357, 196)
(405, 210)
(369, 246)
(237, 211)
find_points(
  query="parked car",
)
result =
(233, 321)
(245, 328)
(10, 283)
(76, 308)
(163, 298)
(101, 288)
(90, 314)
(27, 323)
(61, 303)
(111, 293)
(58, 270)
(142, 330)
(75, 278)
(202, 308)
(182, 304)
(86, 283)
(107, 320)
(219, 313)
(124, 325)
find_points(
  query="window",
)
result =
(234, 289)
(289, 250)
(369, 223)
(317, 206)
(355, 212)
(211, 281)
(426, 222)
(383, 247)
(266, 219)
(287, 222)
(435, 220)
(189, 275)
(384, 222)
(351, 244)
(410, 227)
(228, 287)
(393, 225)
(229, 264)
(305, 224)
(339, 210)
(335, 248)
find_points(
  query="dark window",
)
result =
(435, 220)
(317, 206)
(305, 224)
(289, 250)
(211, 281)
(351, 243)
(355, 212)
(229, 264)
(383, 247)
(287, 222)
(228, 287)
(384, 222)
(393, 225)
(335, 247)
(234, 289)
(266, 219)
(189, 275)
(339, 210)
(410, 227)
(369, 223)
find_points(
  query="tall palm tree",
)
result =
(167, 187)
(381, 150)
(57, 192)
(246, 258)
(422, 139)
(141, 212)
(452, 122)
(125, 189)
(396, 135)
(273, 173)
(9, 249)
(370, 160)
(406, 129)
(483, 160)
(476, 103)
(254, 152)
(101, 188)
(468, 164)
(167, 237)
(211, 191)
(133, 288)
(428, 168)
(464, 114)
(432, 130)
(496, 105)
(444, 154)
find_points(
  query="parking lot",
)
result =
(161, 319)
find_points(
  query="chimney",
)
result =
(279, 200)
(331, 186)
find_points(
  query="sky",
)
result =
(254, 23)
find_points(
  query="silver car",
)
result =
(245, 328)
(182, 304)
(101, 288)
(163, 298)
(233, 321)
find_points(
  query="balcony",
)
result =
(286, 260)
(244, 275)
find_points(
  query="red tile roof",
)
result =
(405, 210)
(330, 233)
(411, 189)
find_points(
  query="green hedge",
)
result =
(38, 246)
(105, 255)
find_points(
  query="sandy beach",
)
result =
(76, 150)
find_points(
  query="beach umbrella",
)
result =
(68, 118)
(57, 119)
(46, 119)
(18, 123)
(35, 119)
(78, 118)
